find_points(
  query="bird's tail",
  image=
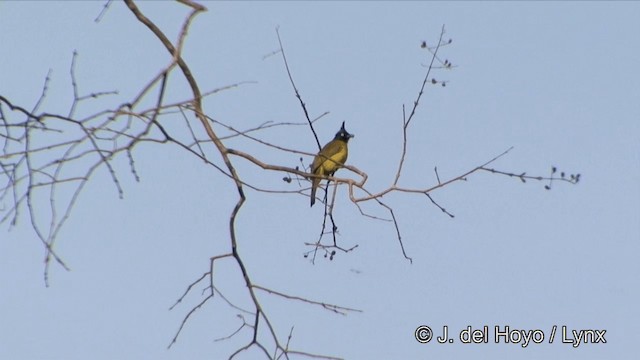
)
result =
(314, 187)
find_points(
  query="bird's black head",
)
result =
(343, 134)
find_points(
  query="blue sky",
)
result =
(555, 80)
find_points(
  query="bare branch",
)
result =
(407, 120)
(331, 307)
(295, 89)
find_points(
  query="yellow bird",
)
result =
(330, 159)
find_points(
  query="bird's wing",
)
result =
(317, 163)
(334, 156)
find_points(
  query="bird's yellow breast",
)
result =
(330, 158)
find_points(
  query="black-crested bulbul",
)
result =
(329, 159)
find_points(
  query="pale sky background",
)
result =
(558, 81)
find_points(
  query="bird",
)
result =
(330, 158)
